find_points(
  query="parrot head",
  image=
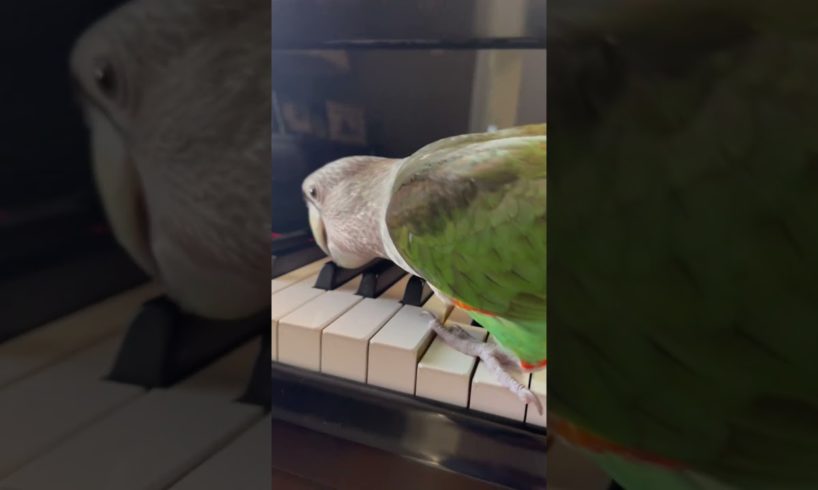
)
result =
(173, 94)
(346, 200)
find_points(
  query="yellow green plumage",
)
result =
(469, 214)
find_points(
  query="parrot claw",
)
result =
(491, 355)
(498, 361)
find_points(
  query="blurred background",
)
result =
(388, 97)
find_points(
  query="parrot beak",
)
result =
(120, 189)
(318, 230)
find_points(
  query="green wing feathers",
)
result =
(469, 214)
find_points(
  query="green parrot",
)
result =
(468, 215)
(684, 188)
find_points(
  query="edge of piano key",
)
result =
(259, 389)
(384, 419)
(332, 275)
(379, 278)
(417, 292)
(537, 383)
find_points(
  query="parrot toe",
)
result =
(430, 316)
(456, 337)
(491, 355)
(529, 398)
(498, 361)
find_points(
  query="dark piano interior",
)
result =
(54, 240)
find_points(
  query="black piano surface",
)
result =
(428, 24)
(476, 447)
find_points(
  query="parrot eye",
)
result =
(312, 192)
(105, 78)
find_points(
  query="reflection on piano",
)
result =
(66, 418)
(354, 359)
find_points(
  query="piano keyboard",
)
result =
(384, 343)
(337, 353)
(64, 423)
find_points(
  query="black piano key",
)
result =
(379, 278)
(258, 391)
(417, 292)
(332, 276)
(292, 258)
(164, 345)
(488, 448)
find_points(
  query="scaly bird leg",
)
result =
(496, 360)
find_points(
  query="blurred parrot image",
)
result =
(467, 214)
(683, 278)
(174, 92)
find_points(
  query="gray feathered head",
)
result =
(177, 95)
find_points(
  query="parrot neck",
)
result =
(358, 234)
(387, 247)
(376, 221)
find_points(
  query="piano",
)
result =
(353, 358)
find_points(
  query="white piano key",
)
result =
(444, 374)
(489, 396)
(345, 342)
(154, 441)
(297, 275)
(58, 339)
(299, 332)
(538, 387)
(40, 410)
(436, 306)
(242, 465)
(287, 300)
(394, 351)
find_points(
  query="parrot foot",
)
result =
(489, 355)
(499, 362)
